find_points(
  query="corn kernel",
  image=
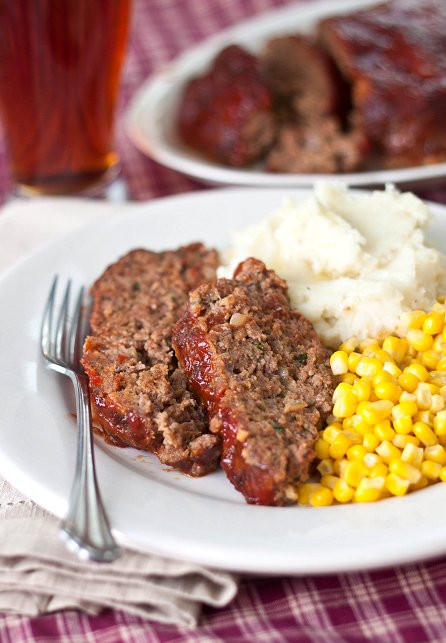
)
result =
(370, 441)
(392, 369)
(345, 405)
(419, 340)
(331, 432)
(408, 381)
(424, 396)
(404, 409)
(339, 446)
(370, 489)
(368, 367)
(353, 436)
(423, 482)
(403, 425)
(349, 345)
(383, 356)
(373, 412)
(353, 473)
(347, 423)
(424, 416)
(325, 466)
(388, 391)
(433, 324)
(401, 440)
(383, 430)
(437, 403)
(412, 455)
(404, 470)
(362, 389)
(425, 434)
(413, 319)
(369, 344)
(339, 466)
(360, 425)
(371, 459)
(305, 491)
(431, 469)
(353, 360)
(339, 362)
(436, 453)
(329, 481)
(380, 470)
(442, 475)
(356, 452)
(441, 365)
(418, 370)
(396, 485)
(383, 376)
(341, 390)
(388, 451)
(322, 497)
(440, 423)
(430, 359)
(321, 448)
(342, 492)
(439, 343)
(396, 347)
(349, 378)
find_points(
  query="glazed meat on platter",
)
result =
(365, 90)
(264, 376)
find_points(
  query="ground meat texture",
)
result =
(226, 113)
(298, 70)
(264, 375)
(139, 395)
(394, 56)
(319, 145)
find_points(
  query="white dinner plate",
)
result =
(202, 520)
(152, 113)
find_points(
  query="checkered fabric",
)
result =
(400, 605)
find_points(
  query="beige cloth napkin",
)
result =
(37, 573)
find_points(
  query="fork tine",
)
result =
(61, 327)
(47, 320)
(77, 331)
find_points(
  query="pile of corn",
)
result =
(387, 433)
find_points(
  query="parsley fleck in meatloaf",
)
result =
(264, 376)
(139, 395)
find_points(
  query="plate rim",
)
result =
(233, 560)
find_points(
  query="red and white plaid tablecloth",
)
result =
(405, 604)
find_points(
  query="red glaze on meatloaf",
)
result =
(264, 375)
(139, 395)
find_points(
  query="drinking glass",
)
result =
(60, 65)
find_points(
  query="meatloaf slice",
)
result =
(264, 375)
(226, 113)
(317, 146)
(139, 395)
(297, 69)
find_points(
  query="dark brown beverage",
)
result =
(60, 63)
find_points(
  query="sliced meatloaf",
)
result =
(264, 375)
(139, 395)
(226, 113)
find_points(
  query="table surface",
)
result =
(397, 605)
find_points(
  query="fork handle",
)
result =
(86, 527)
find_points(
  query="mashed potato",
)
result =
(354, 263)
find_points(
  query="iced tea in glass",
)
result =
(60, 65)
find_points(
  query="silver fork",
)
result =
(86, 528)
